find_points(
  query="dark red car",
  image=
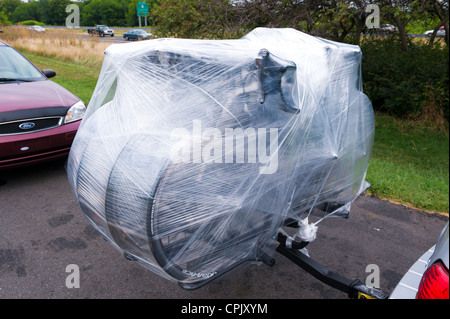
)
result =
(38, 118)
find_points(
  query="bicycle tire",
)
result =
(129, 192)
(179, 259)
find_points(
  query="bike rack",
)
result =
(355, 289)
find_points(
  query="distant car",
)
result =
(388, 28)
(137, 34)
(37, 28)
(38, 118)
(440, 32)
(101, 30)
(428, 277)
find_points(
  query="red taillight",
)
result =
(434, 283)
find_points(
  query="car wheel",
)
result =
(126, 39)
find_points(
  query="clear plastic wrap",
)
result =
(194, 153)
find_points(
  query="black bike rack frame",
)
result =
(355, 289)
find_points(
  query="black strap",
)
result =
(291, 244)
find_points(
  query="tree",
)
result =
(109, 12)
(8, 7)
(439, 8)
(193, 18)
(401, 12)
(91, 13)
(113, 13)
(26, 11)
(44, 14)
(334, 19)
(360, 16)
(3, 18)
(131, 13)
(57, 11)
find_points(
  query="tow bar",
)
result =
(355, 289)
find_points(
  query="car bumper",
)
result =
(33, 148)
(408, 286)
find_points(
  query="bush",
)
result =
(31, 22)
(412, 85)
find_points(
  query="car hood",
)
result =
(30, 95)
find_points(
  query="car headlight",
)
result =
(75, 113)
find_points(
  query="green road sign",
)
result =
(142, 9)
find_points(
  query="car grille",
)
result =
(30, 125)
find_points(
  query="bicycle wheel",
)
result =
(129, 193)
(199, 226)
(92, 172)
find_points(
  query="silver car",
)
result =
(387, 28)
(428, 277)
(439, 33)
(37, 28)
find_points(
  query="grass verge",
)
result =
(78, 78)
(410, 164)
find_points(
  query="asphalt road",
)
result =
(42, 231)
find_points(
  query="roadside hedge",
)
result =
(31, 22)
(412, 85)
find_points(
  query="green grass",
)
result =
(78, 78)
(409, 164)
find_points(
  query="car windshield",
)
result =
(14, 67)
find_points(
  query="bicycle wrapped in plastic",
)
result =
(194, 154)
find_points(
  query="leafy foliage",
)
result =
(3, 18)
(195, 18)
(32, 22)
(410, 84)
